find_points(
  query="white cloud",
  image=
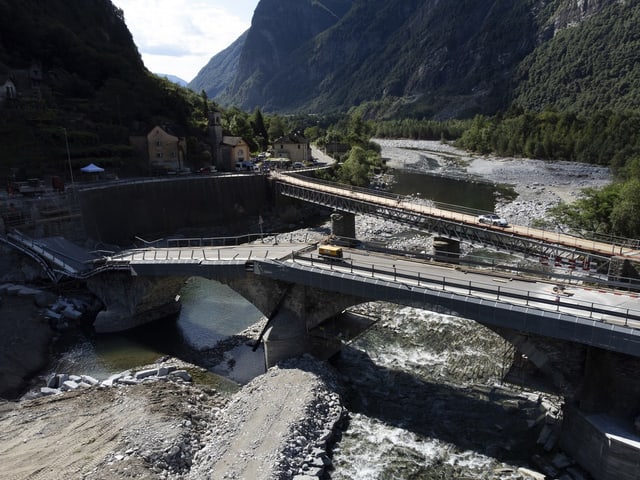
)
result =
(179, 37)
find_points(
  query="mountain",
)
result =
(428, 58)
(78, 78)
(220, 70)
(174, 79)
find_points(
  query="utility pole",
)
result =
(66, 142)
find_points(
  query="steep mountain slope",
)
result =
(78, 78)
(220, 71)
(587, 67)
(418, 57)
(88, 39)
(270, 58)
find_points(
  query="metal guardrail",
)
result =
(630, 317)
(556, 300)
(608, 239)
(274, 238)
(544, 272)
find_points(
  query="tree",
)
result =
(358, 167)
(625, 220)
(259, 129)
(276, 127)
(592, 212)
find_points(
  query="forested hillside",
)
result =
(432, 59)
(80, 79)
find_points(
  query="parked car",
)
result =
(298, 165)
(493, 219)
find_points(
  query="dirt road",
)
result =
(163, 429)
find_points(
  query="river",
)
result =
(422, 388)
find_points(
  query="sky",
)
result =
(179, 37)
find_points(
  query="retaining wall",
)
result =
(117, 213)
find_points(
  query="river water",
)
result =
(422, 388)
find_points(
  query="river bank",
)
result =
(278, 425)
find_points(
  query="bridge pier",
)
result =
(295, 312)
(133, 301)
(343, 224)
(446, 248)
(291, 328)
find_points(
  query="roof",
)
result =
(295, 138)
(233, 141)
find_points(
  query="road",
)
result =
(490, 285)
(575, 298)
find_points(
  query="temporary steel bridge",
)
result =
(460, 224)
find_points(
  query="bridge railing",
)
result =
(265, 237)
(620, 242)
(557, 299)
(398, 198)
(568, 272)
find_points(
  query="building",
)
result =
(237, 151)
(166, 151)
(294, 146)
(21, 83)
(7, 89)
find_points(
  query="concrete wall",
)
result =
(607, 449)
(117, 213)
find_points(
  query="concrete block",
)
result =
(70, 385)
(49, 391)
(90, 380)
(182, 374)
(146, 373)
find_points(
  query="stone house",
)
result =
(7, 89)
(21, 83)
(227, 151)
(294, 146)
(166, 151)
(235, 151)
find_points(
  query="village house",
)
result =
(166, 151)
(294, 146)
(7, 89)
(21, 83)
(236, 153)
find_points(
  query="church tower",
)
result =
(215, 137)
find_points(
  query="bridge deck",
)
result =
(575, 299)
(405, 204)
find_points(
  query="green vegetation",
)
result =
(605, 138)
(358, 158)
(590, 67)
(421, 129)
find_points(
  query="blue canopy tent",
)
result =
(92, 168)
